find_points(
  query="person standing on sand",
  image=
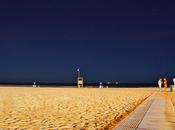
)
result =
(174, 82)
(34, 85)
(165, 84)
(160, 84)
(101, 85)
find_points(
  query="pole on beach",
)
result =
(78, 72)
(79, 79)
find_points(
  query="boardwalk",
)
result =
(156, 113)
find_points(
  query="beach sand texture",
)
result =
(66, 108)
(171, 96)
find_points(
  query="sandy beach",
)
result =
(171, 96)
(67, 108)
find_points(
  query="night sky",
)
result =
(120, 40)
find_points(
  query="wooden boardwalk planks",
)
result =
(156, 113)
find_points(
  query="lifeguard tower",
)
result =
(80, 81)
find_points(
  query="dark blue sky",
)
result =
(125, 41)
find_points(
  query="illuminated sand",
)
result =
(28, 108)
(171, 95)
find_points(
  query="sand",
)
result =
(67, 108)
(171, 96)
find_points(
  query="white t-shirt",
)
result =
(174, 80)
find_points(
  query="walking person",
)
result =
(165, 84)
(160, 84)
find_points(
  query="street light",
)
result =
(78, 71)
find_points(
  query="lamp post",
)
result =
(78, 72)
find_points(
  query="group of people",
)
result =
(163, 83)
(35, 86)
(101, 85)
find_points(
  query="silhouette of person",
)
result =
(165, 83)
(160, 84)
